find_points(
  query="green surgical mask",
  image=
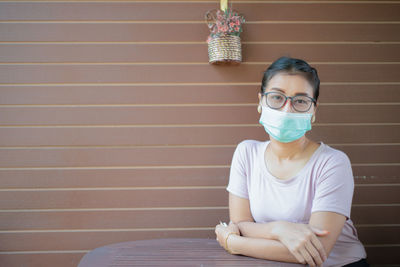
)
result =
(285, 126)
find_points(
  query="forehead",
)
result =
(290, 84)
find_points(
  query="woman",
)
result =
(290, 197)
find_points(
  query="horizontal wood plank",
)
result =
(189, 135)
(183, 94)
(183, 115)
(165, 73)
(365, 93)
(358, 113)
(137, 220)
(160, 156)
(354, 134)
(133, 115)
(378, 234)
(172, 11)
(88, 241)
(195, 32)
(163, 156)
(171, 52)
(364, 154)
(134, 94)
(115, 178)
(376, 174)
(375, 214)
(357, 52)
(210, 176)
(142, 198)
(381, 194)
(145, 220)
(150, 198)
(383, 255)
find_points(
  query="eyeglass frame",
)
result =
(291, 100)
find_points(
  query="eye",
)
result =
(301, 101)
(276, 97)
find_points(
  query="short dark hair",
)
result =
(292, 66)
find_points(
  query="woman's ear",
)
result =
(315, 111)
(316, 106)
(259, 103)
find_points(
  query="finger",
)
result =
(314, 253)
(318, 231)
(217, 229)
(298, 257)
(307, 257)
(318, 245)
(232, 228)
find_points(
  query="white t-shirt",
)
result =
(324, 184)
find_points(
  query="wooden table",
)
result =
(170, 252)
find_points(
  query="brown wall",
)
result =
(113, 127)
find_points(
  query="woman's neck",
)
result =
(288, 151)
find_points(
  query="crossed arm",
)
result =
(280, 241)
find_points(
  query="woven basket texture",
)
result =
(225, 48)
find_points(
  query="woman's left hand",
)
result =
(223, 231)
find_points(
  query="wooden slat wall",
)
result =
(113, 127)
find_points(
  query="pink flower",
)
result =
(228, 22)
(224, 28)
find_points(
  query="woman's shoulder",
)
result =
(250, 149)
(333, 166)
(333, 154)
(251, 145)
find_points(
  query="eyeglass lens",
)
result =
(299, 103)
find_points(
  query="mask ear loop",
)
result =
(259, 108)
(313, 116)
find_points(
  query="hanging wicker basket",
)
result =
(225, 49)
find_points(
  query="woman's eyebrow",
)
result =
(283, 91)
(278, 89)
(302, 94)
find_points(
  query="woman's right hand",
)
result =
(302, 241)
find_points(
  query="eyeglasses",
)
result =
(300, 103)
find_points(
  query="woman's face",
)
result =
(289, 85)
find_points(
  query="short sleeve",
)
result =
(238, 174)
(335, 186)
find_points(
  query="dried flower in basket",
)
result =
(224, 45)
(221, 23)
